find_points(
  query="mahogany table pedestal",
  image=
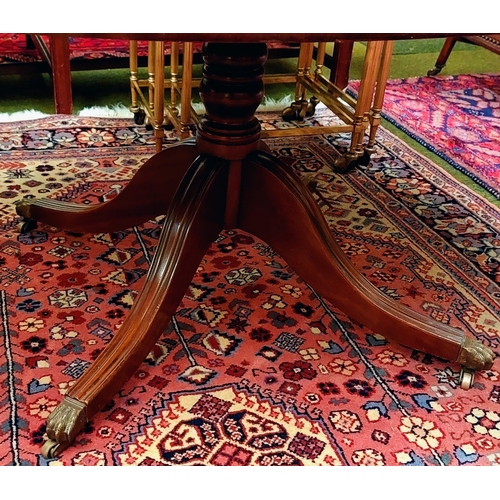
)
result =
(224, 179)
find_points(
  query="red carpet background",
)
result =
(13, 48)
(255, 368)
(456, 117)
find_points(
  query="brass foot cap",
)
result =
(475, 356)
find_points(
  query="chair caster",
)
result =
(466, 378)
(300, 110)
(311, 106)
(51, 449)
(364, 159)
(345, 164)
(139, 117)
(27, 225)
(288, 114)
(294, 111)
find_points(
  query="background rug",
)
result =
(456, 117)
(13, 48)
(255, 368)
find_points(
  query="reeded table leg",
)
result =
(305, 241)
(195, 220)
(147, 195)
(197, 177)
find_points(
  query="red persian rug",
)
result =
(255, 367)
(13, 48)
(456, 117)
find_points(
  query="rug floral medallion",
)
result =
(255, 368)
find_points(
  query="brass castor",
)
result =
(289, 113)
(466, 378)
(475, 356)
(51, 449)
(27, 225)
(298, 110)
(364, 159)
(63, 424)
(139, 117)
(345, 164)
(311, 106)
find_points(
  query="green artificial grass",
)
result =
(426, 45)
(406, 65)
(412, 58)
(90, 88)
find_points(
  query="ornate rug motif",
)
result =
(255, 368)
(456, 117)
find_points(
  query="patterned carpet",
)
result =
(13, 48)
(255, 368)
(456, 117)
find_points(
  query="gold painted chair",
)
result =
(358, 115)
(148, 101)
(152, 108)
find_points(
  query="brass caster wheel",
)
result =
(27, 225)
(345, 164)
(364, 159)
(139, 117)
(302, 110)
(311, 107)
(296, 111)
(289, 114)
(466, 378)
(51, 449)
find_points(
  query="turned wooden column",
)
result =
(231, 90)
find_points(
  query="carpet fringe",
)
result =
(122, 111)
(27, 114)
(113, 111)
